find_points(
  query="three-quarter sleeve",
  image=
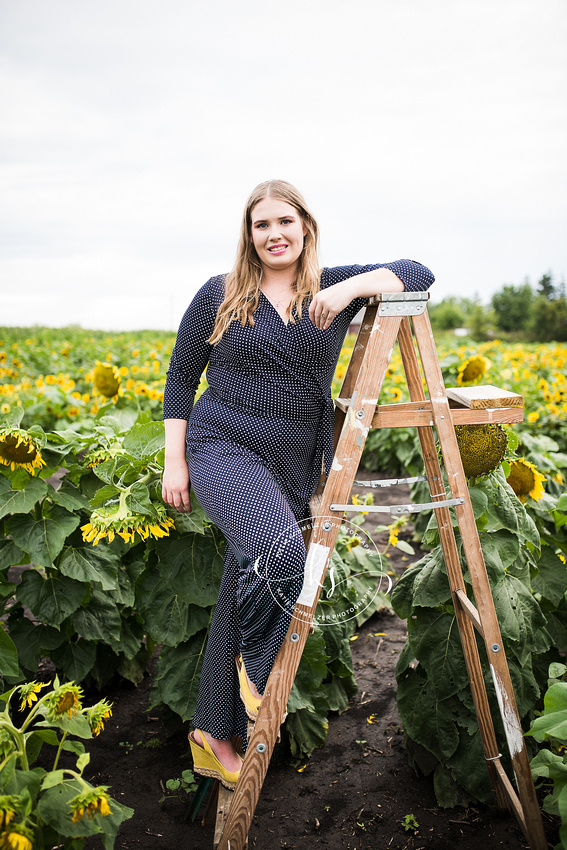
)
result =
(415, 277)
(191, 353)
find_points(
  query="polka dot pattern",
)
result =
(256, 440)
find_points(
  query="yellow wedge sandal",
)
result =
(251, 703)
(205, 762)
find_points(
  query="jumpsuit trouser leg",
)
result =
(263, 576)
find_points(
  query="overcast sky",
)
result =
(133, 131)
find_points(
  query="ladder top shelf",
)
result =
(484, 396)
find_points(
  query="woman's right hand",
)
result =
(176, 485)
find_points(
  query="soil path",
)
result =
(352, 794)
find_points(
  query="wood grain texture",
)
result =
(417, 414)
(484, 396)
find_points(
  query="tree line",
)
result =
(515, 312)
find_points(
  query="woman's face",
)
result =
(277, 233)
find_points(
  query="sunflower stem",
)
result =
(58, 753)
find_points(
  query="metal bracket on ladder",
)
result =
(389, 482)
(387, 320)
(396, 510)
(401, 303)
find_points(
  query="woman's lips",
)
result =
(277, 249)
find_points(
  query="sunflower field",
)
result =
(95, 571)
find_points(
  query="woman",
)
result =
(270, 333)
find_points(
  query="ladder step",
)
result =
(407, 414)
(396, 510)
(470, 610)
(512, 796)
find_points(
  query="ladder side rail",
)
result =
(263, 738)
(481, 585)
(371, 372)
(357, 356)
(355, 362)
(453, 566)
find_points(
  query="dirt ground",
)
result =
(352, 794)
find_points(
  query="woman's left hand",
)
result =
(329, 302)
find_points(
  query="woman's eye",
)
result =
(286, 221)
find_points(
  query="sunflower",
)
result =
(15, 841)
(110, 520)
(96, 456)
(28, 694)
(18, 450)
(482, 447)
(8, 809)
(90, 803)
(106, 379)
(472, 369)
(526, 480)
(393, 535)
(65, 700)
(367, 500)
(97, 715)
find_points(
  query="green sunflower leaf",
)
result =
(43, 538)
(90, 563)
(176, 681)
(20, 501)
(51, 599)
(99, 620)
(8, 656)
(144, 441)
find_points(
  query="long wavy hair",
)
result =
(242, 284)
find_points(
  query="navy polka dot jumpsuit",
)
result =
(256, 440)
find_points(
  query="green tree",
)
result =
(548, 320)
(545, 287)
(447, 315)
(512, 305)
(548, 315)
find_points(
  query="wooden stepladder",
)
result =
(402, 317)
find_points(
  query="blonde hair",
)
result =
(242, 284)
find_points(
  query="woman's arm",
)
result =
(391, 277)
(189, 359)
(175, 485)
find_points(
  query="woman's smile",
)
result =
(277, 232)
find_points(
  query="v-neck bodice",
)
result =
(271, 303)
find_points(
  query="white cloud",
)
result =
(134, 133)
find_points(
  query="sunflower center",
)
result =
(15, 450)
(482, 448)
(521, 479)
(67, 703)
